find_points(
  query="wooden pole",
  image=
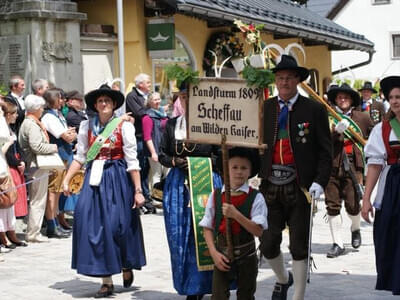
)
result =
(331, 111)
(225, 169)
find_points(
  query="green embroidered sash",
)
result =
(395, 124)
(201, 185)
(101, 138)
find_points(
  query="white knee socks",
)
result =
(299, 268)
(279, 269)
(355, 222)
(335, 224)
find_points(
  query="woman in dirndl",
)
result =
(107, 232)
(383, 158)
(17, 168)
(177, 212)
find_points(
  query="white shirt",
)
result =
(290, 103)
(55, 126)
(20, 100)
(258, 213)
(128, 141)
(180, 128)
(374, 150)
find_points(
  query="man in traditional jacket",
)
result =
(375, 109)
(297, 161)
(347, 168)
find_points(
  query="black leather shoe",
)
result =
(280, 289)
(335, 251)
(64, 231)
(356, 239)
(149, 209)
(56, 234)
(10, 246)
(105, 291)
(20, 244)
(194, 297)
(127, 282)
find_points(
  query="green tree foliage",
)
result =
(3, 90)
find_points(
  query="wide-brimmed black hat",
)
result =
(368, 86)
(344, 88)
(183, 87)
(388, 83)
(91, 97)
(289, 63)
(249, 153)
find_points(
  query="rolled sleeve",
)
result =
(82, 146)
(53, 125)
(208, 219)
(259, 211)
(375, 151)
(129, 146)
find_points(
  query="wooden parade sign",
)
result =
(219, 106)
(221, 112)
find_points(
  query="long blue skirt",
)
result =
(179, 227)
(107, 232)
(387, 235)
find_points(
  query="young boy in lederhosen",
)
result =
(248, 213)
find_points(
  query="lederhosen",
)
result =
(340, 185)
(244, 268)
(287, 204)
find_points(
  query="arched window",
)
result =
(183, 56)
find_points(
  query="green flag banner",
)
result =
(201, 185)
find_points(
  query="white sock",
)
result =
(355, 222)
(278, 266)
(299, 268)
(335, 224)
(107, 280)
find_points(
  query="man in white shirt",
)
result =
(15, 96)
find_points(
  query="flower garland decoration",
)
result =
(251, 34)
(223, 44)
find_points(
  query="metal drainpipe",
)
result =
(121, 56)
(355, 66)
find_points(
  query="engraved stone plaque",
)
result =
(14, 57)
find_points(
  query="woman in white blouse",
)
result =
(63, 136)
(107, 233)
(383, 158)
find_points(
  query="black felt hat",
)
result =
(249, 153)
(344, 88)
(183, 87)
(368, 86)
(289, 63)
(388, 83)
(116, 96)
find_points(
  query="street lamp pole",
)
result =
(121, 56)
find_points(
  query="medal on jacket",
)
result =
(303, 131)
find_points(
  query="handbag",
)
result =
(8, 193)
(49, 161)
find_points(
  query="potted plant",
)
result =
(181, 75)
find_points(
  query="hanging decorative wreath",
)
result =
(224, 44)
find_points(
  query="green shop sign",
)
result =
(160, 36)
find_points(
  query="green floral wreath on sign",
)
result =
(224, 44)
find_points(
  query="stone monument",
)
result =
(41, 39)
